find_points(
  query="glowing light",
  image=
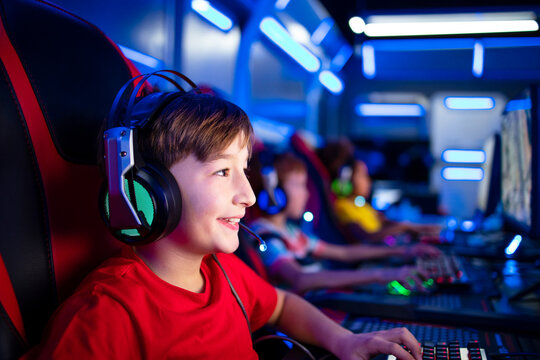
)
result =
(462, 173)
(341, 58)
(213, 15)
(469, 102)
(478, 59)
(368, 61)
(281, 4)
(279, 35)
(359, 201)
(389, 110)
(468, 226)
(451, 223)
(357, 24)
(321, 31)
(447, 24)
(464, 156)
(331, 81)
(394, 287)
(308, 216)
(140, 57)
(263, 247)
(513, 246)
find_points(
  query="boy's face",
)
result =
(215, 195)
(295, 186)
(361, 179)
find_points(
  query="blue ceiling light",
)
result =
(141, 58)
(331, 81)
(279, 35)
(368, 61)
(469, 102)
(464, 156)
(321, 31)
(281, 4)
(389, 110)
(462, 173)
(357, 24)
(478, 59)
(341, 58)
(450, 24)
(213, 15)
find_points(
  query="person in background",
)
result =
(292, 257)
(352, 185)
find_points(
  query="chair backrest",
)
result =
(59, 75)
(320, 203)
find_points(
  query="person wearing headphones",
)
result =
(178, 292)
(352, 186)
(293, 257)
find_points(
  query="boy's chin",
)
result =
(228, 248)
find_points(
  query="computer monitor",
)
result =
(489, 189)
(520, 157)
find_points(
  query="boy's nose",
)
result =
(245, 195)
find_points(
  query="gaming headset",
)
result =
(272, 198)
(141, 201)
(342, 186)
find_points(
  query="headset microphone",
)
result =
(262, 244)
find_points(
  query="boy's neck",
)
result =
(172, 265)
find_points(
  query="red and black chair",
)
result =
(320, 203)
(59, 76)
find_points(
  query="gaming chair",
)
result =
(59, 76)
(325, 223)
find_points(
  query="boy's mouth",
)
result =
(230, 220)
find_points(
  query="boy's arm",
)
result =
(357, 252)
(304, 322)
(302, 281)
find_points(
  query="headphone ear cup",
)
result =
(342, 188)
(272, 205)
(157, 200)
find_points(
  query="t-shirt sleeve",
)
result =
(258, 296)
(79, 330)
(275, 251)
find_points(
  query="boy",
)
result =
(363, 221)
(288, 246)
(169, 298)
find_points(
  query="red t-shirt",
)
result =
(122, 310)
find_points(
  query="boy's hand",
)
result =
(365, 346)
(422, 250)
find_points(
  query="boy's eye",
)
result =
(223, 172)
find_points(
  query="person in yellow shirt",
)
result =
(352, 185)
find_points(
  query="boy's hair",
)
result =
(288, 163)
(198, 124)
(336, 154)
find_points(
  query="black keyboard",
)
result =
(433, 336)
(451, 351)
(445, 270)
(424, 333)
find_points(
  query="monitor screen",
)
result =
(489, 189)
(519, 141)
